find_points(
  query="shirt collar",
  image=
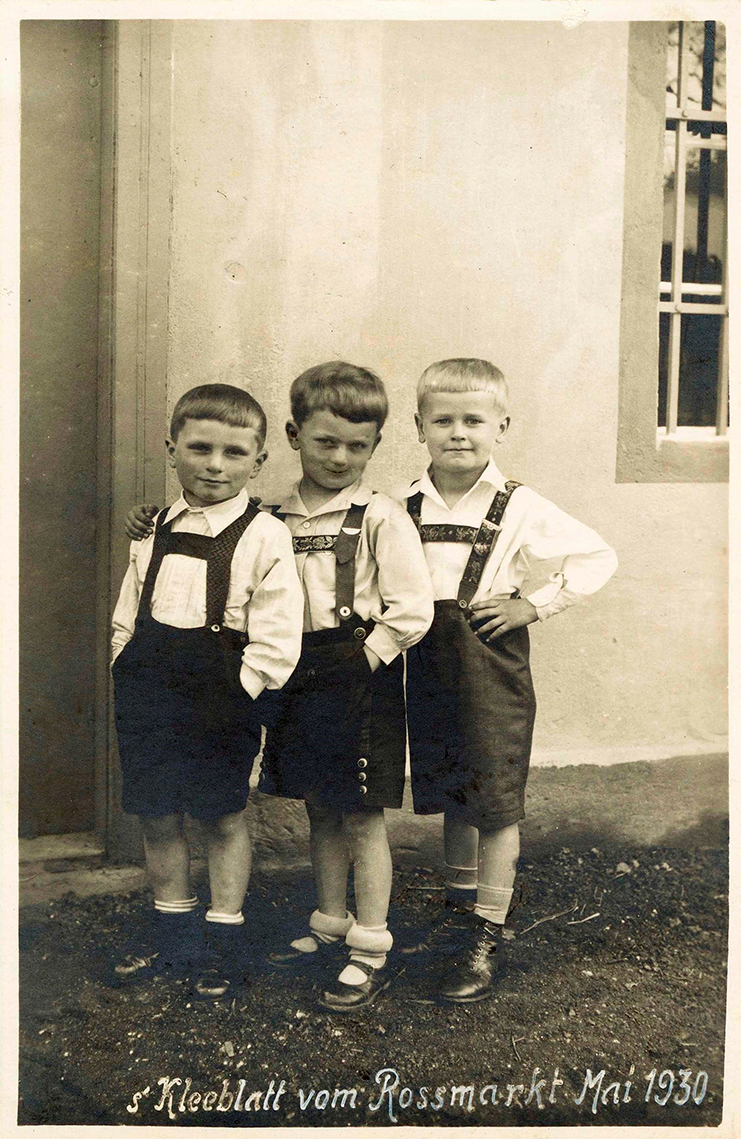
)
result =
(354, 495)
(490, 474)
(218, 516)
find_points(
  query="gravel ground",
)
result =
(611, 1011)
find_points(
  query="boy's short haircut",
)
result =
(462, 375)
(344, 389)
(225, 404)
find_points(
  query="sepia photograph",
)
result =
(367, 385)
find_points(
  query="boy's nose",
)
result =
(215, 462)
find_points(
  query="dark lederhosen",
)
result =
(339, 738)
(470, 703)
(187, 730)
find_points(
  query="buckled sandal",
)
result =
(347, 998)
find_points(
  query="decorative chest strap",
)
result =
(485, 541)
(314, 543)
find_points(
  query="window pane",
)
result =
(663, 365)
(705, 204)
(698, 370)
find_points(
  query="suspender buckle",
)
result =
(462, 604)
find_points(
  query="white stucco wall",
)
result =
(394, 193)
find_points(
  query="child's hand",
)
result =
(138, 522)
(495, 616)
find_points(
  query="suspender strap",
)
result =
(414, 508)
(189, 545)
(218, 570)
(159, 549)
(486, 539)
(345, 548)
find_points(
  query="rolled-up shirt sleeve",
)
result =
(587, 560)
(124, 615)
(404, 583)
(274, 613)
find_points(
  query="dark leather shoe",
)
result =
(326, 953)
(347, 998)
(471, 975)
(222, 972)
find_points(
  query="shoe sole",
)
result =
(342, 1009)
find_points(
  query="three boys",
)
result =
(339, 741)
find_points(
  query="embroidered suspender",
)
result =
(345, 545)
(216, 552)
(482, 540)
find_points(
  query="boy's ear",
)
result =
(292, 433)
(170, 451)
(420, 429)
(258, 463)
(503, 426)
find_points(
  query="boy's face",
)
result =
(334, 451)
(460, 429)
(214, 460)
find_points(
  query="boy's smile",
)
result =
(460, 429)
(334, 451)
(214, 460)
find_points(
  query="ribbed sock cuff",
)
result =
(224, 919)
(186, 906)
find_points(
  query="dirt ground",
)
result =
(611, 1011)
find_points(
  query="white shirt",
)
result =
(392, 585)
(264, 597)
(533, 529)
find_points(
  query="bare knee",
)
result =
(364, 827)
(226, 827)
(161, 831)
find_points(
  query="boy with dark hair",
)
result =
(470, 699)
(208, 616)
(340, 741)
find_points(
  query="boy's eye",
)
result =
(236, 452)
(358, 447)
(198, 447)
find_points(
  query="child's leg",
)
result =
(330, 859)
(168, 858)
(174, 936)
(229, 863)
(461, 862)
(498, 854)
(369, 938)
(471, 975)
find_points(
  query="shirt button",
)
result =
(362, 777)
(345, 611)
(462, 604)
(362, 763)
(360, 633)
(363, 790)
(306, 525)
(216, 628)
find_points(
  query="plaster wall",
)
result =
(393, 193)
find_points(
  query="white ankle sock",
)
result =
(186, 906)
(224, 919)
(324, 928)
(369, 944)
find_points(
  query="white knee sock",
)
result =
(492, 903)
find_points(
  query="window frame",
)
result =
(644, 454)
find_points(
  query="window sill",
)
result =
(691, 435)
